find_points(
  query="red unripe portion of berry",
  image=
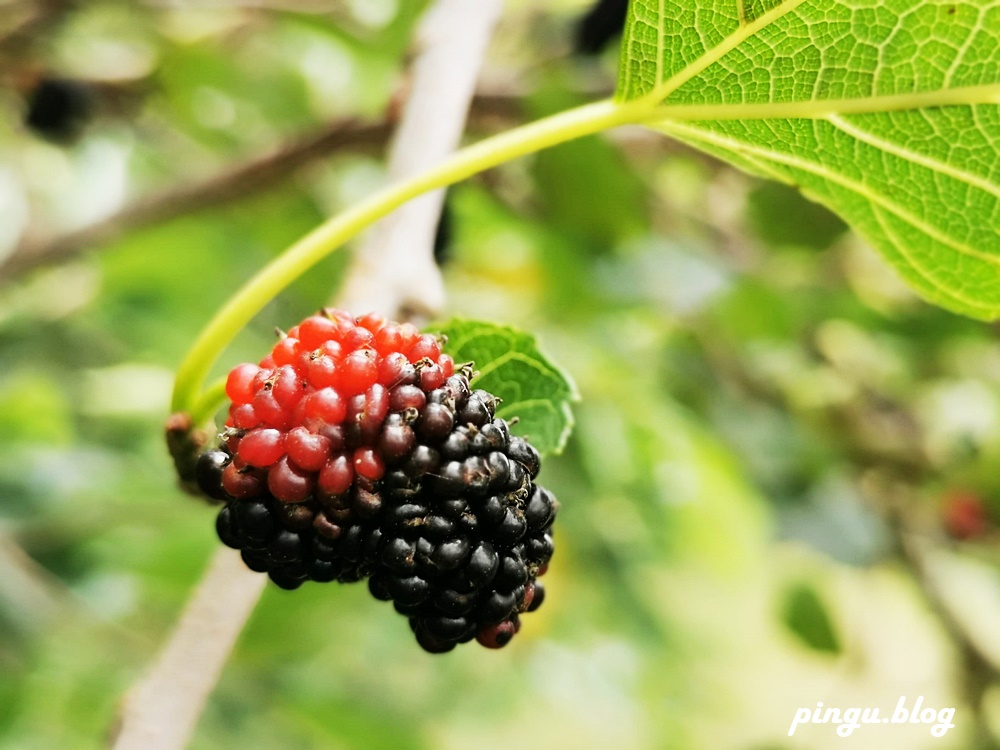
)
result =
(410, 334)
(260, 380)
(337, 475)
(269, 411)
(239, 384)
(366, 412)
(286, 351)
(298, 416)
(358, 338)
(306, 449)
(262, 447)
(393, 368)
(333, 349)
(425, 346)
(317, 329)
(358, 372)
(431, 377)
(447, 365)
(344, 320)
(368, 464)
(241, 484)
(372, 321)
(965, 516)
(322, 372)
(407, 397)
(497, 636)
(289, 483)
(244, 416)
(267, 363)
(288, 387)
(326, 405)
(389, 339)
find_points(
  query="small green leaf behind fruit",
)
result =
(510, 365)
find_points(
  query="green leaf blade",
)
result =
(885, 112)
(510, 365)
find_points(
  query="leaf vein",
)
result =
(913, 156)
(662, 90)
(861, 189)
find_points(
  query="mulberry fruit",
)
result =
(357, 450)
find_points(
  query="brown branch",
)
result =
(236, 182)
(160, 712)
(233, 183)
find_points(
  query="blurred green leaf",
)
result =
(770, 205)
(804, 613)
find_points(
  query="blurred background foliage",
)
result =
(782, 488)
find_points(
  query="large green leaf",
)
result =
(885, 111)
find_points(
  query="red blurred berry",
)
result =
(288, 387)
(965, 516)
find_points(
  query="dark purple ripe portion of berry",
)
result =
(208, 473)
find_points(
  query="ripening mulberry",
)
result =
(356, 450)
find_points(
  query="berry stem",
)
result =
(209, 402)
(273, 278)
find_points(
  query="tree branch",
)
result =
(236, 182)
(233, 183)
(160, 711)
(394, 271)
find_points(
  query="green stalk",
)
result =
(326, 238)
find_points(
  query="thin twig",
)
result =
(161, 712)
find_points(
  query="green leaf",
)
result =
(886, 112)
(510, 366)
(804, 613)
